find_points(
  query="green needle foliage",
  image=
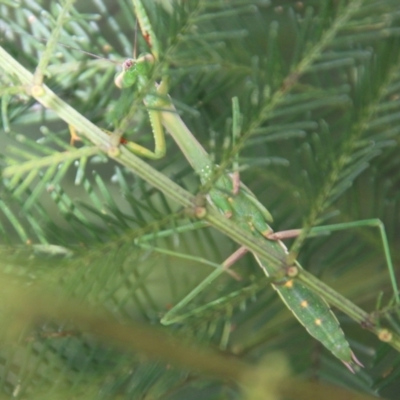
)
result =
(93, 255)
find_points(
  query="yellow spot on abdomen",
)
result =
(304, 303)
(318, 322)
(289, 284)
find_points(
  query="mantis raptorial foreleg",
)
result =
(228, 195)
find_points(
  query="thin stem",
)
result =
(52, 43)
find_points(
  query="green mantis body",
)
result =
(240, 205)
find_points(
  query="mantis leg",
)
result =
(159, 139)
(158, 133)
(320, 230)
(146, 28)
(172, 315)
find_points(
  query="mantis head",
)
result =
(134, 70)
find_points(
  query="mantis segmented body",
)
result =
(240, 205)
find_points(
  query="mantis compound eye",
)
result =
(127, 64)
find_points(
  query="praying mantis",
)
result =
(228, 195)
